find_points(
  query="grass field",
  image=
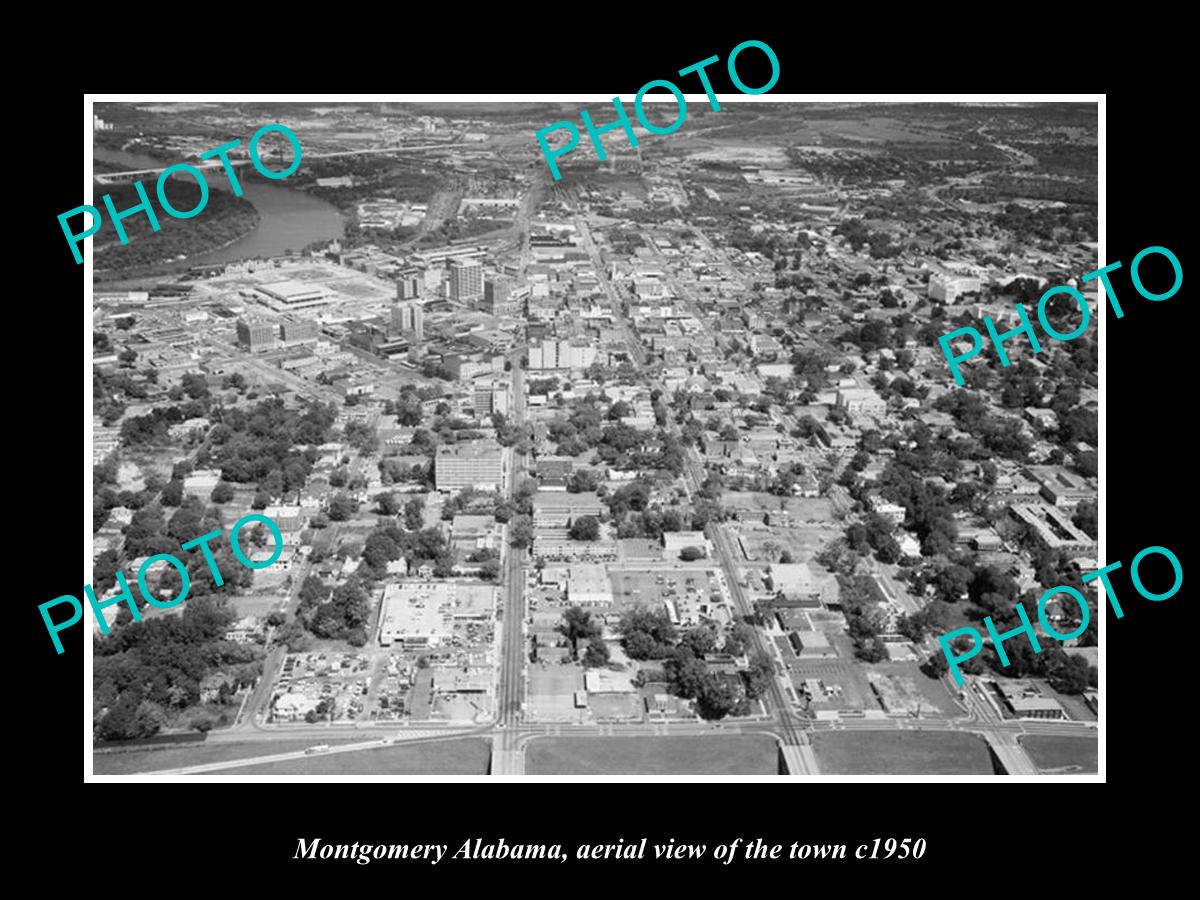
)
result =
(466, 756)
(131, 761)
(716, 755)
(901, 753)
(1062, 755)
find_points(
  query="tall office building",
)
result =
(292, 331)
(504, 296)
(466, 280)
(256, 335)
(408, 318)
(410, 284)
(496, 292)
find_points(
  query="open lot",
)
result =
(552, 691)
(902, 753)
(259, 605)
(466, 756)
(763, 543)
(705, 755)
(935, 699)
(1061, 755)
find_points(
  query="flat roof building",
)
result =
(420, 614)
(557, 509)
(589, 585)
(1025, 701)
(284, 295)
(1062, 487)
(296, 330)
(256, 335)
(1053, 528)
(466, 280)
(476, 464)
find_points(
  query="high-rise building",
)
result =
(298, 330)
(469, 464)
(466, 280)
(408, 318)
(410, 283)
(256, 335)
(561, 354)
(504, 297)
(483, 401)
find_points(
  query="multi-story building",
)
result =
(948, 288)
(466, 280)
(552, 509)
(1062, 487)
(256, 335)
(503, 297)
(478, 464)
(1052, 527)
(298, 330)
(408, 317)
(861, 401)
(561, 354)
(410, 283)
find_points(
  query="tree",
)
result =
(585, 528)
(647, 633)
(342, 507)
(936, 666)
(172, 493)
(737, 639)
(785, 558)
(577, 625)
(414, 513)
(758, 676)
(520, 532)
(387, 503)
(1086, 520)
(700, 640)
(1068, 674)
(691, 554)
(222, 493)
(718, 697)
(128, 719)
(687, 673)
(582, 481)
(596, 654)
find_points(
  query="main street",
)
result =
(512, 648)
(775, 699)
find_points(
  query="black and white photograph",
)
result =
(510, 439)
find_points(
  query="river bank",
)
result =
(287, 219)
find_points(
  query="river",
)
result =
(288, 219)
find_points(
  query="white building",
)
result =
(588, 585)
